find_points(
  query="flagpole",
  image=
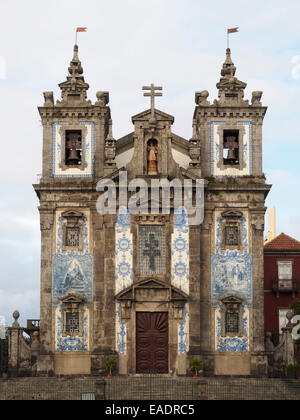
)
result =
(76, 37)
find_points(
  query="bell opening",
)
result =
(231, 147)
(73, 147)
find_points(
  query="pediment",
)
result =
(231, 300)
(232, 214)
(72, 298)
(114, 175)
(79, 83)
(174, 294)
(146, 115)
(72, 213)
(231, 83)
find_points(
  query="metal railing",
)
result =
(3, 356)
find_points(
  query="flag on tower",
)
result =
(232, 30)
(81, 29)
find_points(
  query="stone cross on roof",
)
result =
(152, 93)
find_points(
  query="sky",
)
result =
(129, 43)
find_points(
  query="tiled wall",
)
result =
(231, 275)
(72, 274)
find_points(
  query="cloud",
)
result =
(285, 197)
(27, 303)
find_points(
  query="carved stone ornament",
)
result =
(256, 97)
(49, 100)
(258, 222)
(46, 221)
(102, 98)
(201, 98)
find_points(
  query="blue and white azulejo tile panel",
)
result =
(124, 251)
(180, 271)
(121, 331)
(124, 274)
(180, 251)
(71, 344)
(231, 275)
(72, 274)
(183, 332)
(232, 344)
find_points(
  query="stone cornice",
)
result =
(239, 187)
(86, 112)
(213, 111)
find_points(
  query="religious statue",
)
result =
(152, 158)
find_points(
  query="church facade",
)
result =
(150, 289)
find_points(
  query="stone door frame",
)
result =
(150, 295)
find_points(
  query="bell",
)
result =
(231, 155)
(74, 158)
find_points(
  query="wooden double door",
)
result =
(152, 339)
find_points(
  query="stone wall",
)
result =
(146, 388)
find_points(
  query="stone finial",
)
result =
(49, 100)
(102, 98)
(110, 148)
(74, 89)
(256, 97)
(201, 98)
(16, 316)
(231, 90)
(229, 68)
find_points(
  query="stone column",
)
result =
(45, 362)
(259, 359)
(258, 282)
(14, 333)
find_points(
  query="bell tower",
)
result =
(76, 134)
(230, 133)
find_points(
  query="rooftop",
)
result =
(283, 242)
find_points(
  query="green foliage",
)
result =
(296, 306)
(293, 368)
(196, 364)
(110, 364)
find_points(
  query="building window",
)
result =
(152, 249)
(285, 270)
(232, 235)
(73, 147)
(72, 230)
(72, 236)
(231, 147)
(232, 322)
(231, 229)
(232, 317)
(73, 309)
(72, 322)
